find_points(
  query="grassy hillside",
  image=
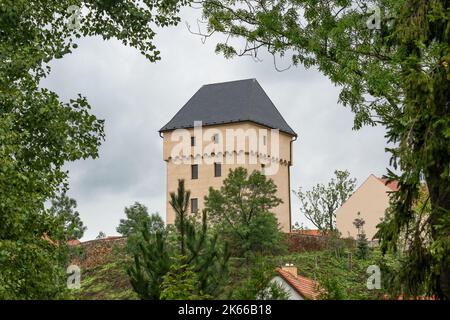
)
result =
(325, 265)
(103, 275)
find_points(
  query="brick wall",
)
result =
(92, 253)
(297, 242)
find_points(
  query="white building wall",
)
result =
(292, 293)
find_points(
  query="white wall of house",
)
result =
(292, 293)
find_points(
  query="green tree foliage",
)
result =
(63, 208)
(258, 284)
(179, 201)
(181, 282)
(39, 133)
(32, 270)
(362, 244)
(151, 263)
(414, 247)
(393, 69)
(298, 227)
(137, 215)
(208, 259)
(319, 204)
(241, 212)
(202, 253)
(101, 235)
(331, 288)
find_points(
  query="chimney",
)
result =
(289, 267)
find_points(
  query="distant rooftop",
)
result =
(229, 102)
(393, 185)
(306, 287)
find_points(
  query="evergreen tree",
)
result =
(362, 246)
(181, 282)
(201, 253)
(151, 263)
(63, 208)
(137, 215)
(180, 204)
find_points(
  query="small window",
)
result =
(263, 166)
(264, 140)
(194, 205)
(192, 141)
(216, 138)
(194, 171)
(217, 169)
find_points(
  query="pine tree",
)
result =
(200, 248)
(200, 251)
(362, 246)
(181, 282)
(151, 263)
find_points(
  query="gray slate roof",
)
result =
(228, 102)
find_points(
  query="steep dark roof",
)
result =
(227, 102)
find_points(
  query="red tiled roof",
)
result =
(307, 288)
(393, 185)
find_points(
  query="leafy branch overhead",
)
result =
(39, 133)
(395, 73)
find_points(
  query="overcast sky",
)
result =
(136, 98)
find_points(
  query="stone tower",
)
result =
(222, 127)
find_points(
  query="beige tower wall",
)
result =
(371, 199)
(199, 187)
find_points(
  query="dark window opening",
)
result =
(194, 171)
(192, 141)
(194, 205)
(217, 169)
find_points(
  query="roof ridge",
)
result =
(273, 104)
(306, 287)
(217, 83)
(228, 102)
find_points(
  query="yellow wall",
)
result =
(371, 199)
(199, 187)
